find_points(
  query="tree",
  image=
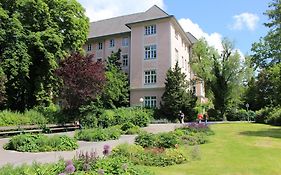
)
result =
(267, 57)
(116, 90)
(2, 88)
(83, 81)
(267, 51)
(34, 36)
(177, 96)
(223, 74)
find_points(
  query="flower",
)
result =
(69, 168)
(62, 174)
(68, 162)
(106, 150)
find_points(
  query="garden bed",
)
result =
(41, 143)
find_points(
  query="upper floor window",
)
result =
(150, 30)
(89, 47)
(100, 46)
(150, 77)
(150, 52)
(125, 41)
(112, 43)
(125, 60)
(150, 101)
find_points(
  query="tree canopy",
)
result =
(34, 36)
(116, 92)
(83, 81)
(223, 73)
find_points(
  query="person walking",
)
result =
(181, 117)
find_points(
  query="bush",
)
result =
(194, 138)
(89, 121)
(98, 134)
(275, 117)
(146, 140)
(40, 143)
(213, 115)
(130, 128)
(150, 156)
(167, 140)
(51, 113)
(262, 115)
(31, 117)
(196, 128)
(137, 116)
(240, 115)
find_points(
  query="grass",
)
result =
(235, 149)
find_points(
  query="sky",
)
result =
(241, 21)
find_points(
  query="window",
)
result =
(150, 30)
(150, 101)
(100, 46)
(89, 47)
(182, 62)
(125, 41)
(125, 60)
(150, 77)
(111, 43)
(150, 52)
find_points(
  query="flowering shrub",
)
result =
(195, 128)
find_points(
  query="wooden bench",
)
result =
(49, 128)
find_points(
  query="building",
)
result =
(151, 42)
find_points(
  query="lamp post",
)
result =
(141, 102)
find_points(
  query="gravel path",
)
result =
(18, 158)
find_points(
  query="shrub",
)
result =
(275, 117)
(9, 118)
(195, 128)
(167, 140)
(262, 115)
(35, 117)
(89, 121)
(133, 130)
(194, 138)
(146, 140)
(137, 116)
(98, 134)
(240, 115)
(40, 143)
(150, 156)
(51, 113)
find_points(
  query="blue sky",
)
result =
(239, 20)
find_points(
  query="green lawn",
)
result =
(235, 149)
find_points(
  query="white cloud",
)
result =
(213, 39)
(243, 20)
(102, 9)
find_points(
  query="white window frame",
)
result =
(89, 47)
(100, 46)
(150, 30)
(150, 101)
(125, 41)
(125, 61)
(150, 77)
(176, 35)
(150, 52)
(111, 43)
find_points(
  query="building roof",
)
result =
(121, 24)
(117, 25)
(191, 38)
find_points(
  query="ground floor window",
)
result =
(150, 101)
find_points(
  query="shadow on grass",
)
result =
(272, 132)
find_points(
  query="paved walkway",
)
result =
(18, 158)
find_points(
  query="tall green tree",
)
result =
(34, 35)
(267, 57)
(267, 51)
(116, 91)
(177, 96)
(223, 73)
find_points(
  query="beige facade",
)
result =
(151, 42)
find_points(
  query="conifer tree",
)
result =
(177, 96)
